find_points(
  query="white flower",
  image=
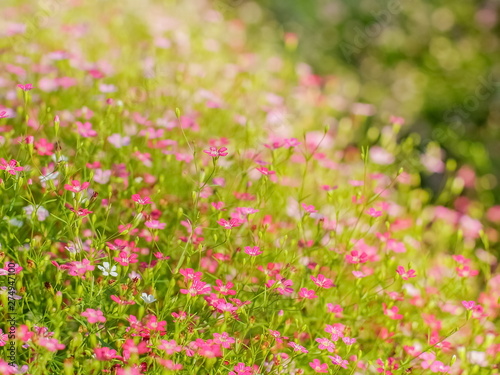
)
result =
(148, 298)
(107, 270)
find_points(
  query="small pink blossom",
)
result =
(229, 224)
(51, 345)
(213, 152)
(373, 212)
(155, 224)
(297, 348)
(94, 316)
(469, 305)
(307, 293)
(405, 275)
(322, 281)
(355, 257)
(76, 187)
(140, 200)
(319, 367)
(253, 250)
(10, 167)
(26, 87)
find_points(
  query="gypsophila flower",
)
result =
(107, 269)
(148, 298)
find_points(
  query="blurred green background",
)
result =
(435, 63)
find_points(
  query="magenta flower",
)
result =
(105, 354)
(155, 224)
(348, 340)
(336, 330)
(469, 305)
(10, 167)
(189, 274)
(51, 345)
(138, 199)
(466, 271)
(392, 313)
(253, 250)
(265, 171)
(319, 367)
(94, 316)
(198, 287)
(326, 344)
(322, 281)
(124, 259)
(405, 275)
(337, 360)
(307, 293)
(213, 152)
(373, 212)
(44, 147)
(85, 129)
(170, 347)
(297, 348)
(76, 187)
(229, 224)
(26, 87)
(4, 114)
(355, 257)
(225, 289)
(309, 208)
(78, 268)
(224, 339)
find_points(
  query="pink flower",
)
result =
(307, 293)
(44, 147)
(228, 224)
(189, 274)
(213, 152)
(224, 339)
(197, 288)
(265, 171)
(76, 187)
(326, 344)
(348, 340)
(322, 281)
(51, 345)
(336, 330)
(392, 313)
(335, 309)
(317, 366)
(469, 305)
(105, 354)
(4, 114)
(337, 360)
(405, 275)
(277, 336)
(253, 250)
(10, 167)
(439, 366)
(373, 212)
(85, 129)
(138, 199)
(466, 271)
(309, 208)
(297, 348)
(26, 87)
(155, 224)
(170, 347)
(225, 289)
(77, 268)
(94, 316)
(124, 259)
(355, 257)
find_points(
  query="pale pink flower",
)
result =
(94, 316)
